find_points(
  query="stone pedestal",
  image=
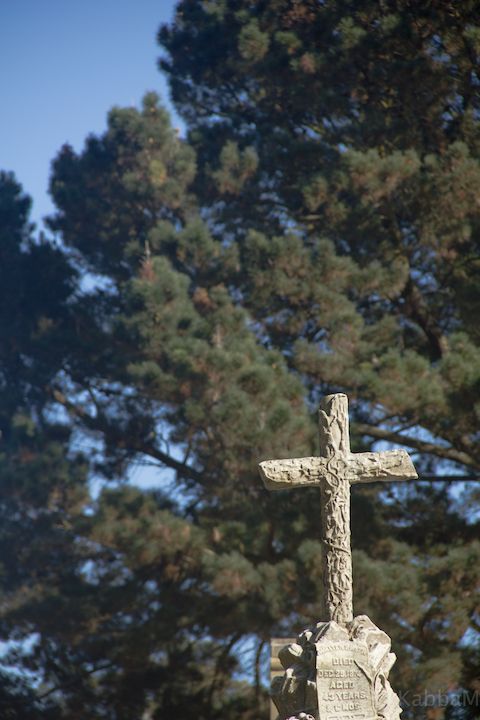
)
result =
(334, 672)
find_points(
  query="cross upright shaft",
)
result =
(334, 470)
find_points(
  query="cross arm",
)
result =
(389, 465)
(284, 474)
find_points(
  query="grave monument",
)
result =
(338, 668)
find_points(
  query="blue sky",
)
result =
(63, 65)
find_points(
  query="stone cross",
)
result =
(333, 472)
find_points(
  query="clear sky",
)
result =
(63, 65)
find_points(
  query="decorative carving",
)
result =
(336, 673)
(337, 556)
(334, 471)
(337, 670)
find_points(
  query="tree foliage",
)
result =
(317, 230)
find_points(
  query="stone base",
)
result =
(337, 673)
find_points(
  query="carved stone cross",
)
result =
(334, 471)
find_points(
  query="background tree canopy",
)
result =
(317, 230)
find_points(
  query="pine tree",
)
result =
(41, 477)
(362, 121)
(317, 231)
(345, 137)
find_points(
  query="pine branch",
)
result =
(100, 424)
(221, 659)
(74, 680)
(258, 656)
(420, 445)
(416, 309)
(181, 468)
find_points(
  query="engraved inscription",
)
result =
(344, 682)
(337, 673)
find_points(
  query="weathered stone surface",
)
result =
(390, 465)
(334, 471)
(337, 673)
(276, 667)
(337, 670)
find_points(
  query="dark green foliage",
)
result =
(362, 119)
(317, 231)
